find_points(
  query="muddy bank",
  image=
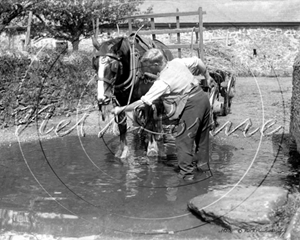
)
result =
(88, 123)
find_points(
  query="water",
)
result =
(73, 186)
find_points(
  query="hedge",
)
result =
(32, 81)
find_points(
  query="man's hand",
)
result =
(117, 110)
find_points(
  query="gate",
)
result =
(198, 29)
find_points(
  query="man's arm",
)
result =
(197, 67)
(157, 89)
(117, 110)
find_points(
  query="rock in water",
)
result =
(242, 207)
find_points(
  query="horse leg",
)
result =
(160, 138)
(158, 127)
(123, 150)
(152, 148)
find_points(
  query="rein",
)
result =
(133, 65)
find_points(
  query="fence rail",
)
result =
(198, 30)
(158, 15)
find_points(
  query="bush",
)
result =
(38, 79)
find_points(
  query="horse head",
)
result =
(112, 64)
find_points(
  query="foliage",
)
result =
(47, 78)
(10, 10)
(69, 20)
(72, 19)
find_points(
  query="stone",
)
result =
(242, 207)
(295, 103)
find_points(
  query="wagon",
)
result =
(222, 94)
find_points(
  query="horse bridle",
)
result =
(117, 58)
(132, 76)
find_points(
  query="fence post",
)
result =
(130, 25)
(152, 23)
(178, 34)
(94, 28)
(27, 39)
(97, 27)
(94, 32)
(200, 42)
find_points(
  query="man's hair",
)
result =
(153, 55)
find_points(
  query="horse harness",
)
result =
(141, 46)
(137, 47)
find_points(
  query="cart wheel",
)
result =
(213, 98)
(213, 95)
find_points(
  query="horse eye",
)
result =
(104, 60)
(114, 66)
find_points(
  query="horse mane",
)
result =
(106, 46)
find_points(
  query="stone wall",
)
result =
(268, 51)
(295, 106)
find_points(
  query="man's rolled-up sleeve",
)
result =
(158, 88)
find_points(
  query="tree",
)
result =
(72, 19)
(11, 10)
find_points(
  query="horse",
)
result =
(120, 79)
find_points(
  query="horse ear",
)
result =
(118, 45)
(96, 43)
(95, 63)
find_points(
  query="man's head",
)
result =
(153, 61)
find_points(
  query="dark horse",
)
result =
(119, 76)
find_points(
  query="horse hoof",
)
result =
(118, 153)
(125, 153)
(152, 153)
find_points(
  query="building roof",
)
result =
(218, 11)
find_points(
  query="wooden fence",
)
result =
(198, 29)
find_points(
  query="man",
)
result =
(185, 101)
